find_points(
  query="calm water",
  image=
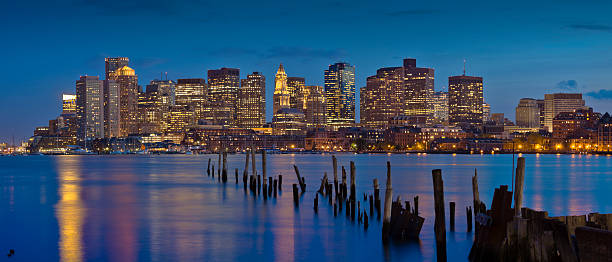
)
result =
(165, 208)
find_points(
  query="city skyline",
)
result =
(548, 51)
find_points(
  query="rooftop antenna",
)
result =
(161, 75)
(464, 66)
(166, 76)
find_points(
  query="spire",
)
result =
(281, 69)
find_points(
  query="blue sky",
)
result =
(521, 48)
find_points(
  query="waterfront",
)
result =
(162, 208)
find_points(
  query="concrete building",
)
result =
(527, 113)
(90, 108)
(558, 103)
(340, 95)
(252, 101)
(465, 100)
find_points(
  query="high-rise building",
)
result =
(419, 87)
(223, 86)
(528, 113)
(113, 63)
(383, 97)
(112, 109)
(165, 91)
(157, 100)
(295, 86)
(90, 108)
(440, 107)
(179, 119)
(465, 99)
(192, 93)
(314, 109)
(252, 101)
(128, 99)
(486, 112)
(558, 103)
(68, 104)
(281, 97)
(340, 95)
(541, 107)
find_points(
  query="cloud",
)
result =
(567, 85)
(413, 12)
(591, 27)
(602, 94)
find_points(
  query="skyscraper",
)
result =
(558, 103)
(113, 63)
(340, 95)
(527, 113)
(295, 86)
(383, 97)
(419, 87)
(111, 109)
(68, 104)
(486, 112)
(192, 93)
(465, 99)
(160, 97)
(440, 107)
(314, 109)
(223, 86)
(90, 108)
(281, 97)
(128, 99)
(252, 101)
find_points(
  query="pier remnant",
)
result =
(440, 222)
(388, 198)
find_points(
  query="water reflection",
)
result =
(70, 210)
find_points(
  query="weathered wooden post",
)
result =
(335, 209)
(323, 186)
(236, 174)
(263, 166)
(468, 211)
(416, 205)
(302, 184)
(344, 187)
(476, 197)
(518, 188)
(365, 220)
(452, 216)
(208, 169)
(335, 166)
(316, 203)
(296, 200)
(275, 187)
(253, 165)
(280, 182)
(270, 186)
(213, 171)
(377, 197)
(371, 205)
(224, 175)
(387, 215)
(440, 223)
(219, 164)
(353, 193)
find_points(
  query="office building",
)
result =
(383, 97)
(440, 107)
(192, 93)
(252, 101)
(419, 88)
(465, 100)
(340, 95)
(314, 109)
(128, 99)
(295, 86)
(223, 88)
(90, 108)
(558, 103)
(528, 113)
(112, 64)
(111, 109)
(68, 104)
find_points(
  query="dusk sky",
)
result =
(520, 48)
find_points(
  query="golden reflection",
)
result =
(69, 209)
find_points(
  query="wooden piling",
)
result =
(275, 187)
(476, 197)
(518, 188)
(371, 205)
(270, 186)
(353, 193)
(386, 230)
(295, 196)
(236, 174)
(452, 216)
(213, 171)
(219, 164)
(365, 220)
(280, 182)
(377, 197)
(323, 184)
(416, 205)
(344, 187)
(316, 203)
(297, 173)
(440, 223)
(468, 212)
(224, 174)
(208, 169)
(253, 163)
(263, 165)
(335, 209)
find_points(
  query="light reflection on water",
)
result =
(165, 208)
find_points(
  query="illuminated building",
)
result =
(486, 112)
(252, 101)
(157, 100)
(383, 97)
(111, 64)
(223, 86)
(295, 86)
(314, 109)
(289, 121)
(541, 108)
(192, 93)
(527, 113)
(111, 109)
(419, 88)
(165, 91)
(440, 107)
(557, 103)
(90, 108)
(465, 99)
(340, 95)
(128, 99)
(68, 104)
(604, 133)
(581, 123)
(179, 119)
(281, 95)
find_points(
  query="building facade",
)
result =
(252, 101)
(465, 100)
(223, 88)
(128, 99)
(557, 103)
(111, 64)
(382, 98)
(340, 95)
(440, 107)
(419, 88)
(314, 109)
(295, 86)
(192, 93)
(111, 108)
(90, 108)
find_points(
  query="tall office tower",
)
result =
(179, 119)
(558, 103)
(541, 107)
(128, 99)
(223, 86)
(528, 113)
(314, 109)
(281, 97)
(252, 101)
(486, 112)
(68, 104)
(295, 86)
(113, 63)
(419, 87)
(440, 107)
(340, 95)
(90, 108)
(159, 97)
(111, 109)
(383, 97)
(165, 91)
(192, 93)
(465, 100)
